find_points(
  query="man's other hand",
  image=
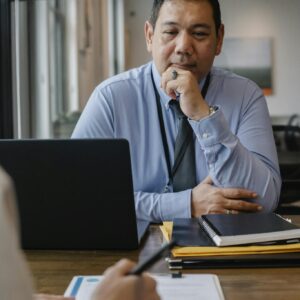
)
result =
(208, 199)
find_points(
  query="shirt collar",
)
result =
(164, 98)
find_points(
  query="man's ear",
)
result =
(149, 31)
(220, 39)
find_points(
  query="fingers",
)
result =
(185, 84)
(232, 200)
(228, 206)
(122, 267)
(148, 282)
(172, 81)
(170, 85)
(152, 296)
(240, 205)
(236, 193)
(116, 284)
(230, 212)
(148, 287)
(168, 76)
(208, 199)
(232, 209)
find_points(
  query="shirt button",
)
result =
(205, 135)
(211, 166)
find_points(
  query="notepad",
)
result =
(228, 230)
(188, 287)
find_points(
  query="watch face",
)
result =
(212, 110)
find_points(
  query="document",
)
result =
(187, 287)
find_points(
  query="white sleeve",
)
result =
(15, 279)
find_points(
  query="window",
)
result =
(61, 50)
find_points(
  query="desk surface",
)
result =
(53, 270)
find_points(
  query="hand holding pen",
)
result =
(116, 285)
(150, 261)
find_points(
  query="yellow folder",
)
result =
(167, 228)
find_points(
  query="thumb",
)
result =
(207, 180)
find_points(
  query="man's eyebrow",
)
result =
(201, 25)
(195, 26)
(168, 23)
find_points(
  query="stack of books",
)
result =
(242, 240)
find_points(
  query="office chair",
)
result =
(288, 148)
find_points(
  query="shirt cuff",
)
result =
(212, 130)
(176, 205)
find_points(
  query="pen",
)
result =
(146, 264)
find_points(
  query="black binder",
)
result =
(282, 260)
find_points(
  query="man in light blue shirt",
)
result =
(235, 155)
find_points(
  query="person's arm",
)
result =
(247, 159)
(158, 207)
(15, 278)
(118, 285)
(97, 121)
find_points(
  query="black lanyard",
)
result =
(162, 126)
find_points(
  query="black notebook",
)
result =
(228, 230)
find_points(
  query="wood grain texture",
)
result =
(53, 270)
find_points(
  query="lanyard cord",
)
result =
(162, 126)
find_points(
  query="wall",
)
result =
(136, 13)
(278, 19)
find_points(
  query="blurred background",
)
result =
(55, 52)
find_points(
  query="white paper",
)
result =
(189, 287)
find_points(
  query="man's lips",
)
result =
(184, 66)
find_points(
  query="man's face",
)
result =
(184, 37)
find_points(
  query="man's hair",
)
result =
(157, 4)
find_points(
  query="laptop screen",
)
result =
(73, 194)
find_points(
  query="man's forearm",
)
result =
(232, 164)
(157, 207)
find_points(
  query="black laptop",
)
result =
(73, 194)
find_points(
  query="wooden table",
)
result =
(53, 270)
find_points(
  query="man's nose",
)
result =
(184, 44)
